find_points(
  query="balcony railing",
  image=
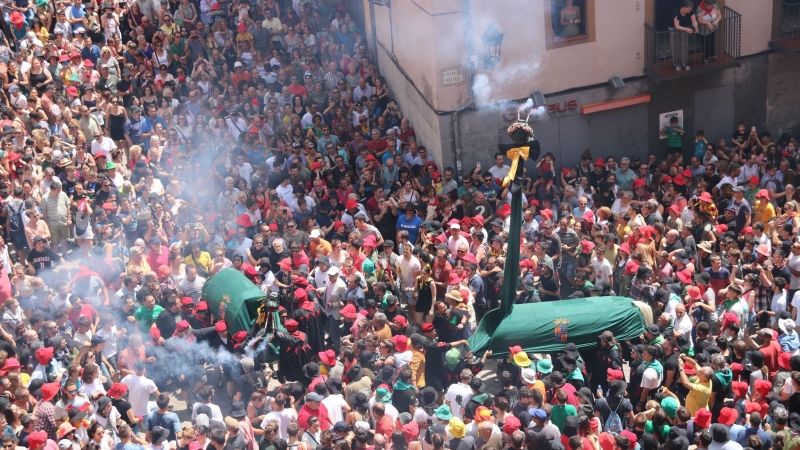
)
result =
(785, 26)
(672, 53)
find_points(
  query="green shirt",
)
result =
(673, 136)
(146, 317)
(560, 413)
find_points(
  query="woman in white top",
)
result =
(92, 381)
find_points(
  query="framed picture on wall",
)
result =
(568, 19)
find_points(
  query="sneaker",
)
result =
(679, 68)
(685, 67)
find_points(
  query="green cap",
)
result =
(368, 266)
(74, 77)
(452, 356)
(670, 406)
(110, 165)
(443, 413)
(544, 366)
(41, 3)
(2, 154)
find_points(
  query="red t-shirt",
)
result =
(86, 310)
(377, 147)
(320, 413)
(385, 426)
(771, 353)
(155, 260)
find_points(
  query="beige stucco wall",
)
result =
(756, 23)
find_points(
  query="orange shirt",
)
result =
(322, 243)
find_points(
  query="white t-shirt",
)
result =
(408, 271)
(104, 147)
(778, 305)
(110, 349)
(285, 193)
(458, 395)
(284, 418)
(602, 270)
(335, 405)
(650, 379)
(139, 389)
(499, 172)
(684, 325)
(794, 263)
(796, 303)
(216, 413)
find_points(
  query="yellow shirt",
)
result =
(143, 265)
(204, 261)
(623, 230)
(698, 397)
(763, 211)
(417, 366)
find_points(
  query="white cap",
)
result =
(333, 271)
(56, 154)
(455, 226)
(315, 233)
(237, 64)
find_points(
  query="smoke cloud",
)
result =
(487, 85)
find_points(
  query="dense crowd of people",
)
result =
(148, 146)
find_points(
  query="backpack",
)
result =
(15, 219)
(613, 424)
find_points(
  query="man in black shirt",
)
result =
(405, 395)
(41, 258)
(169, 318)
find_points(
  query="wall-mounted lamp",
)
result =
(616, 82)
(538, 99)
(492, 40)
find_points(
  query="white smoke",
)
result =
(487, 84)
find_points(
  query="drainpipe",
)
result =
(466, 10)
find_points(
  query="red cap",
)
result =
(625, 247)
(400, 343)
(316, 165)
(44, 355)
(689, 369)
(639, 183)
(514, 349)
(478, 218)
(512, 424)
(615, 374)
(155, 334)
(453, 278)
(220, 326)
(117, 390)
(401, 320)
(727, 416)
(747, 230)
(254, 130)
(702, 418)
(631, 267)
(202, 306)
(285, 264)
(244, 220)
(751, 407)
(351, 203)
(694, 293)
(679, 180)
(427, 327)
(599, 162)
(666, 179)
(370, 157)
(328, 357)
(763, 193)
(183, 325)
(348, 311)
(300, 294)
(687, 173)
(504, 210)
(273, 226)
(754, 180)
(37, 439)
(685, 276)
(587, 246)
(239, 337)
(721, 228)
(784, 360)
(706, 197)
(292, 324)
(88, 63)
(73, 91)
(12, 364)
(338, 224)
(187, 301)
